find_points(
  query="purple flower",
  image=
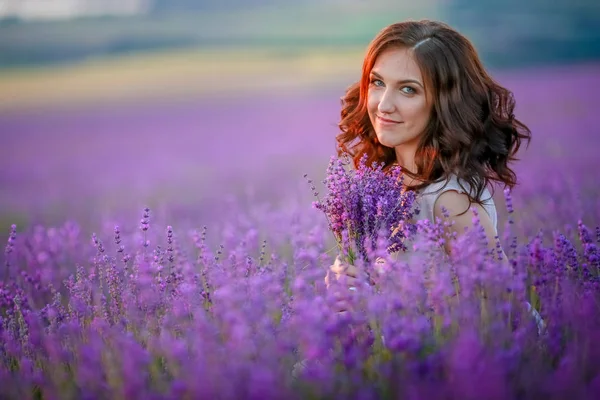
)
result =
(11, 243)
(363, 204)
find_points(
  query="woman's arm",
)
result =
(456, 203)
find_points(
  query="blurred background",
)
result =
(108, 104)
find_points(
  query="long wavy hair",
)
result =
(472, 131)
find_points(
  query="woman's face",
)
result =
(397, 105)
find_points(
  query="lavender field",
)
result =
(217, 291)
(86, 161)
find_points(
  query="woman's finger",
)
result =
(338, 266)
(352, 271)
(330, 278)
(345, 268)
(349, 281)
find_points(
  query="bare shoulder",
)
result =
(454, 202)
(459, 209)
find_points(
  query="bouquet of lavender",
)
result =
(364, 205)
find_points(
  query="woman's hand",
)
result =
(343, 279)
(344, 274)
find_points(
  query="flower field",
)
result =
(172, 252)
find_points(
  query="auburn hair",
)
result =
(472, 131)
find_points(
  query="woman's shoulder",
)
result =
(452, 182)
(429, 195)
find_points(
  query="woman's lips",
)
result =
(385, 121)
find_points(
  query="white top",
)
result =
(426, 199)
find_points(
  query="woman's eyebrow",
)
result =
(400, 81)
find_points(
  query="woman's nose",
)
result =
(386, 104)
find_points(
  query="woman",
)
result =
(425, 102)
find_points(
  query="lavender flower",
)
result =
(145, 225)
(245, 309)
(10, 245)
(365, 203)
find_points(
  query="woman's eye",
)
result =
(376, 82)
(408, 90)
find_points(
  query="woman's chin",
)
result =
(386, 141)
